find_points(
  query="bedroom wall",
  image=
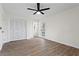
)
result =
(64, 27)
(29, 28)
(1, 25)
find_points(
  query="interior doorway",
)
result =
(38, 28)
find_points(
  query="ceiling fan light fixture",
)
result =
(38, 13)
(38, 10)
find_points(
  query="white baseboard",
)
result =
(1, 45)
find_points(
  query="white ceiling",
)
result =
(20, 9)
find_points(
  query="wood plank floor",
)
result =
(37, 47)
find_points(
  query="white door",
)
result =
(18, 29)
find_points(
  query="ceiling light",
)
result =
(38, 13)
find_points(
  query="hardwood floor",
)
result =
(37, 47)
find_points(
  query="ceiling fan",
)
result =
(38, 10)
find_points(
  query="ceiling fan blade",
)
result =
(35, 13)
(44, 9)
(41, 12)
(38, 6)
(31, 9)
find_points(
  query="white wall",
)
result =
(5, 23)
(64, 27)
(29, 28)
(1, 42)
(1, 25)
